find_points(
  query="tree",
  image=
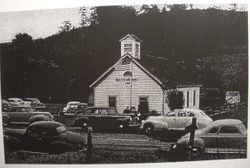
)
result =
(175, 99)
(67, 26)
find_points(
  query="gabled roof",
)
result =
(132, 36)
(135, 62)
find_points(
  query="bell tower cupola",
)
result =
(131, 44)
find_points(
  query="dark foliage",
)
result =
(175, 100)
(61, 67)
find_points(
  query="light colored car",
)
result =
(71, 104)
(35, 103)
(178, 119)
(221, 136)
(17, 102)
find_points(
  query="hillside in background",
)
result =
(207, 47)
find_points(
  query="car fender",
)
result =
(158, 125)
(39, 117)
(11, 142)
(61, 146)
(78, 121)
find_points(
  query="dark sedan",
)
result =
(102, 117)
(43, 136)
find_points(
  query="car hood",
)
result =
(14, 132)
(73, 137)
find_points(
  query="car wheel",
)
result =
(149, 130)
(197, 152)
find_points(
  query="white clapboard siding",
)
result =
(144, 86)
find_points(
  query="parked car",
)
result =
(22, 115)
(74, 109)
(220, 136)
(35, 103)
(43, 136)
(19, 102)
(15, 101)
(71, 104)
(175, 120)
(5, 105)
(102, 117)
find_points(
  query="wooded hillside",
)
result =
(60, 68)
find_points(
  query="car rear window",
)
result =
(213, 130)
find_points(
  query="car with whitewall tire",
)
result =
(179, 119)
(227, 136)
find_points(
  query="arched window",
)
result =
(127, 74)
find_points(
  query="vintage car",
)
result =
(22, 115)
(179, 119)
(43, 136)
(220, 136)
(74, 109)
(72, 105)
(35, 103)
(15, 101)
(5, 105)
(19, 102)
(102, 117)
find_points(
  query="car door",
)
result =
(34, 139)
(230, 140)
(182, 119)
(170, 119)
(210, 138)
(93, 118)
(104, 118)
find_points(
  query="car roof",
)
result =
(47, 124)
(14, 99)
(100, 107)
(83, 104)
(192, 110)
(31, 98)
(73, 102)
(225, 122)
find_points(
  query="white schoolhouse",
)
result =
(127, 83)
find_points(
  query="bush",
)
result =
(175, 100)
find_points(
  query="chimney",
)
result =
(131, 44)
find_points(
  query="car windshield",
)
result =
(73, 105)
(61, 129)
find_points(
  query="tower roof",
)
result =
(132, 36)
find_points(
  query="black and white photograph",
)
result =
(122, 84)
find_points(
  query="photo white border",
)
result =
(22, 5)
